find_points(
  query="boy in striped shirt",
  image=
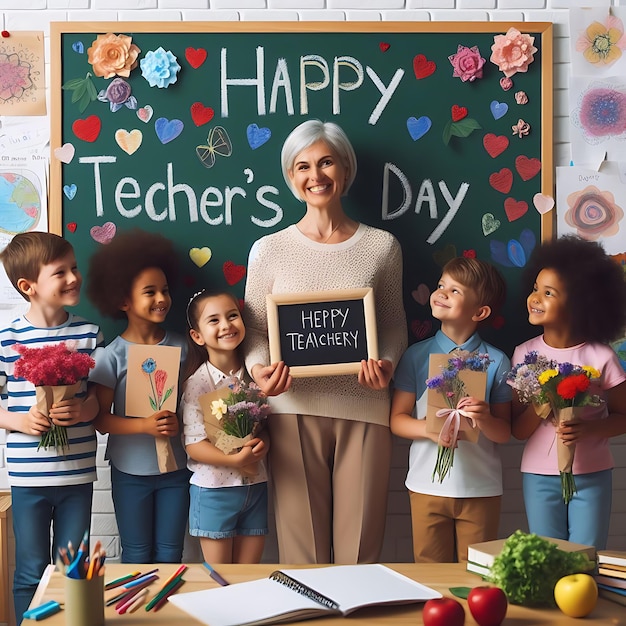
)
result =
(50, 488)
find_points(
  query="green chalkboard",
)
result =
(198, 159)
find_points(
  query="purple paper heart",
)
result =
(418, 127)
(498, 109)
(168, 130)
(257, 136)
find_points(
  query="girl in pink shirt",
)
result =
(578, 296)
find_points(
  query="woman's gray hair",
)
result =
(310, 132)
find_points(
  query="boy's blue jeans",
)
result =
(151, 514)
(35, 509)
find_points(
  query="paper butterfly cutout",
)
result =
(218, 143)
(514, 253)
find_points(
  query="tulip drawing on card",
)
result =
(157, 378)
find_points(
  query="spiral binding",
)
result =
(304, 590)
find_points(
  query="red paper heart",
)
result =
(458, 113)
(87, 129)
(420, 329)
(423, 67)
(502, 181)
(201, 114)
(71, 226)
(514, 209)
(384, 46)
(195, 57)
(495, 144)
(233, 273)
(527, 168)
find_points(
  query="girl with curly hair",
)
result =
(130, 278)
(578, 296)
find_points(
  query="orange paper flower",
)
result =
(513, 52)
(113, 55)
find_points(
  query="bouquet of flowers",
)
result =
(451, 385)
(56, 370)
(560, 388)
(234, 415)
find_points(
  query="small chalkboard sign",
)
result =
(322, 333)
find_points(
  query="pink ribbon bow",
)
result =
(450, 430)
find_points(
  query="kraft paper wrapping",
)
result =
(565, 454)
(165, 455)
(47, 395)
(475, 386)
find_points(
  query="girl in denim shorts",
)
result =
(228, 504)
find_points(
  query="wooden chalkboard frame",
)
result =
(377, 187)
(274, 301)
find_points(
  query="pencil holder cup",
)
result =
(84, 601)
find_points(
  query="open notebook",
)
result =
(296, 594)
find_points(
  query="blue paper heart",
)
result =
(168, 130)
(498, 109)
(78, 47)
(418, 127)
(70, 191)
(257, 136)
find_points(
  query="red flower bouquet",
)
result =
(56, 370)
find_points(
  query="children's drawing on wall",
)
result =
(22, 87)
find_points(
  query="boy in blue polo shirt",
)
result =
(464, 507)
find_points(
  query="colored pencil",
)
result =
(162, 593)
(215, 575)
(117, 582)
(171, 592)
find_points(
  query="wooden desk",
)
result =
(437, 576)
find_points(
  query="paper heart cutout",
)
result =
(421, 329)
(441, 257)
(543, 203)
(31, 211)
(233, 273)
(128, 141)
(527, 168)
(87, 129)
(201, 114)
(103, 234)
(65, 153)
(257, 136)
(200, 256)
(195, 56)
(515, 209)
(489, 223)
(384, 46)
(495, 144)
(145, 113)
(70, 191)
(168, 130)
(458, 113)
(498, 109)
(71, 226)
(502, 181)
(421, 295)
(418, 127)
(423, 67)
(78, 47)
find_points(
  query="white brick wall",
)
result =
(37, 14)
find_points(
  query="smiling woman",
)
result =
(328, 489)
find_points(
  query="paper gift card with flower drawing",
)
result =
(152, 386)
(453, 377)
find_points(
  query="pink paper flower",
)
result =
(513, 52)
(467, 63)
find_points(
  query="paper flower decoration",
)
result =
(118, 94)
(513, 52)
(593, 213)
(113, 55)
(160, 68)
(603, 112)
(15, 76)
(467, 63)
(602, 43)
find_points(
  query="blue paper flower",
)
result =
(160, 68)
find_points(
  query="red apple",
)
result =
(487, 605)
(443, 612)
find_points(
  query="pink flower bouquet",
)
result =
(56, 370)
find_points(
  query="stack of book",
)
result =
(611, 576)
(480, 556)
